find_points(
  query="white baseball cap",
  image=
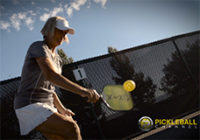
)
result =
(62, 24)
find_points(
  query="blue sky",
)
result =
(98, 23)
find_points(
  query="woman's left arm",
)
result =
(60, 106)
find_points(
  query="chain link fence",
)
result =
(166, 74)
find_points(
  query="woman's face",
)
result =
(58, 36)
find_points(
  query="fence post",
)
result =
(185, 63)
(97, 122)
(88, 85)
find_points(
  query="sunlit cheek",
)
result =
(66, 39)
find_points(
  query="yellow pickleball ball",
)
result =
(129, 85)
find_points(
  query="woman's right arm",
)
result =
(62, 82)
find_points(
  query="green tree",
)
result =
(145, 88)
(177, 80)
(111, 49)
(65, 59)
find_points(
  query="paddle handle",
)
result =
(104, 101)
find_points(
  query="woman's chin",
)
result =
(59, 43)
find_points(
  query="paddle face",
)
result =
(117, 98)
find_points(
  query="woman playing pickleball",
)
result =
(36, 104)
